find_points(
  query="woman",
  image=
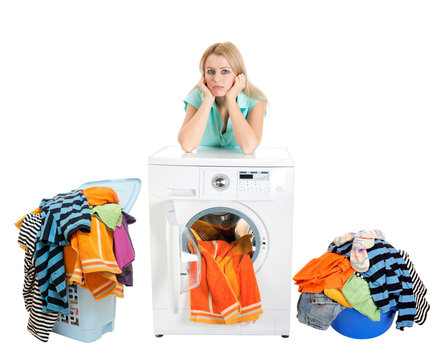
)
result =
(224, 109)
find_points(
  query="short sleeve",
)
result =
(195, 98)
(253, 103)
(246, 103)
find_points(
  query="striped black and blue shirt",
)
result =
(389, 280)
(61, 217)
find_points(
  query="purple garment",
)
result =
(123, 250)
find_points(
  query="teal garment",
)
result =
(110, 214)
(212, 134)
(357, 293)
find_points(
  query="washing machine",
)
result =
(252, 193)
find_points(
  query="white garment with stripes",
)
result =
(419, 290)
(40, 324)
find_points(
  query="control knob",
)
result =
(220, 182)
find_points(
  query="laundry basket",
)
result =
(88, 319)
(355, 325)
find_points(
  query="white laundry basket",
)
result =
(89, 319)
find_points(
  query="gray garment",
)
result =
(317, 310)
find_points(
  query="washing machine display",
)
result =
(254, 175)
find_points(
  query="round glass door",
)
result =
(231, 224)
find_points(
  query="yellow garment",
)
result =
(89, 261)
(337, 295)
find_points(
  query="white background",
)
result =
(89, 89)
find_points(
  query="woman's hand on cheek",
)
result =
(207, 93)
(237, 87)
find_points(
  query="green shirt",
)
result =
(212, 134)
(357, 293)
(110, 214)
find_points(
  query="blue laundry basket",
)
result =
(355, 325)
(89, 319)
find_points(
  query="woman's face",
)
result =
(218, 74)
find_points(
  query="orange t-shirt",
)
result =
(326, 272)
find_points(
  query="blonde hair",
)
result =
(234, 58)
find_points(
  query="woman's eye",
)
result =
(225, 72)
(210, 72)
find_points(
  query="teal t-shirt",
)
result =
(212, 134)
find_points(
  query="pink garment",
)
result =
(123, 250)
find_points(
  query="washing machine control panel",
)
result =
(245, 183)
(254, 181)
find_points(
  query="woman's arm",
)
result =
(195, 121)
(248, 133)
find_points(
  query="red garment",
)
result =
(329, 271)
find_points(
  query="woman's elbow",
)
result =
(250, 148)
(185, 146)
(247, 150)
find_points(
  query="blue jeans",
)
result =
(317, 310)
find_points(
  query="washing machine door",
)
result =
(184, 259)
(184, 265)
(232, 219)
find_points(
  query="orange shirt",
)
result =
(326, 272)
(100, 195)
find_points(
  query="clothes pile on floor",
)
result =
(228, 292)
(76, 237)
(361, 271)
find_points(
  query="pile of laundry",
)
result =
(228, 292)
(361, 271)
(76, 237)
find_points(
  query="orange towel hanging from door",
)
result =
(228, 292)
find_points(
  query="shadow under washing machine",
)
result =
(241, 194)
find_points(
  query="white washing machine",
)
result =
(254, 192)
